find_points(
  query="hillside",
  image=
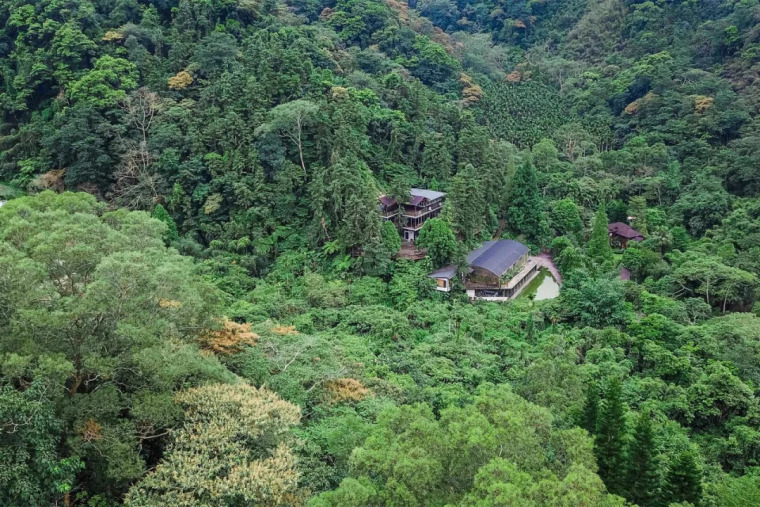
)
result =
(201, 304)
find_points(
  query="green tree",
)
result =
(684, 479)
(643, 479)
(160, 213)
(101, 313)
(637, 207)
(599, 248)
(590, 408)
(436, 235)
(609, 441)
(289, 120)
(471, 455)
(468, 206)
(526, 214)
(565, 218)
(32, 472)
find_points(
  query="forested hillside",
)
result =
(201, 305)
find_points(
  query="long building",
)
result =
(497, 271)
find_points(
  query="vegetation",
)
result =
(200, 303)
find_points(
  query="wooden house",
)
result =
(497, 271)
(422, 205)
(620, 234)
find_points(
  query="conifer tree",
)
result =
(526, 214)
(609, 445)
(684, 480)
(638, 208)
(643, 481)
(599, 247)
(590, 408)
(160, 213)
(468, 207)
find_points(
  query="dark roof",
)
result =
(447, 272)
(415, 200)
(624, 230)
(625, 274)
(497, 256)
(417, 195)
(387, 201)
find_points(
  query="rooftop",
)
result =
(426, 194)
(417, 195)
(624, 230)
(494, 256)
(497, 256)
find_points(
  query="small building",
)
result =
(620, 234)
(423, 205)
(498, 271)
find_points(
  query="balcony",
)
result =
(413, 213)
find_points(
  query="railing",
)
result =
(420, 212)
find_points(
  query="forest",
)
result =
(200, 304)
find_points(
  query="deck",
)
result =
(410, 251)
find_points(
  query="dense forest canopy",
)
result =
(200, 303)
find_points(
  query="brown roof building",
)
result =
(620, 234)
(422, 205)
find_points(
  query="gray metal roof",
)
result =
(427, 194)
(447, 272)
(497, 256)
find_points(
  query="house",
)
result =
(388, 208)
(497, 271)
(620, 234)
(423, 204)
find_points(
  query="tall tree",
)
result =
(468, 206)
(684, 479)
(436, 235)
(609, 443)
(599, 247)
(289, 121)
(160, 213)
(643, 480)
(526, 212)
(590, 408)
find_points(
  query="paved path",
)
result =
(548, 263)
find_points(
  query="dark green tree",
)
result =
(467, 204)
(160, 213)
(526, 214)
(643, 480)
(590, 408)
(684, 479)
(599, 248)
(609, 441)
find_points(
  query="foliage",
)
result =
(437, 236)
(230, 450)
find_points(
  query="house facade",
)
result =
(498, 271)
(423, 205)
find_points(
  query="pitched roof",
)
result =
(426, 194)
(417, 196)
(624, 230)
(447, 272)
(387, 201)
(497, 256)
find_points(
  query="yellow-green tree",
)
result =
(232, 450)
